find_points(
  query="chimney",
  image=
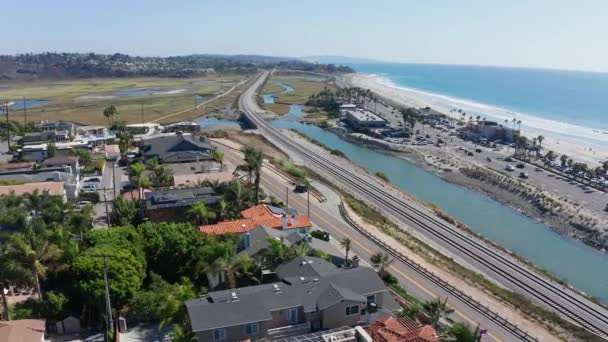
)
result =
(294, 220)
(284, 222)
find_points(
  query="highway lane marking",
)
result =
(393, 268)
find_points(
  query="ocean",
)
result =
(571, 103)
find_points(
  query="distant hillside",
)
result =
(83, 65)
(338, 59)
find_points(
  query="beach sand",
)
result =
(590, 152)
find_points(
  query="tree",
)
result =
(381, 261)
(254, 159)
(463, 333)
(413, 310)
(222, 205)
(138, 178)
(437, 309)
(199, 214)
(218, 155)
(109, 113)
(278, 253)
(51, 149)
(346, 244)
(34, 252)
(564, 160)
(124, 211)
(125, 141)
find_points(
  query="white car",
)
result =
(88, 188)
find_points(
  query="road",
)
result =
(113, 178)
(500, 266)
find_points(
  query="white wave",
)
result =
(530, 122)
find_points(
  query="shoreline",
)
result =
(584, 144)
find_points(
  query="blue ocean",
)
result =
(566, 102)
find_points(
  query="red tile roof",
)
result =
(401, 329)
(53, 188)
(259, 215)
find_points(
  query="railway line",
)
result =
(504, 268)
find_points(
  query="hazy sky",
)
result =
(538, 33)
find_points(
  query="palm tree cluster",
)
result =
(330, 101)
(409, 116)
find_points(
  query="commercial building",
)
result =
(176, 148)
(347, 107)
(490, 131)
(171, 205)
(313, 295)
(364, 119)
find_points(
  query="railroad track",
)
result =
(565, 302)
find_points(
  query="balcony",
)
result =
(289, 330)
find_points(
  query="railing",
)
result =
(289, 330)
(487, 312)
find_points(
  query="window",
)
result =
(292, 315)
(371, 299)
(252, 329)
(352, 310)
(219, 334)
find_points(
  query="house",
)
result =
(176, 148)
(22, 330)
(192, 179)
(95, 135)
(36, 138)
(61, 174)
(40, 152)
(261, 215)
(63, 161)
(16, 166)
(319, 298)
(172, 204)
(44, 188)
(140, 131)
(342, 334)
(401, 329)
(364, 119)
(58, 126)
(255, 242)
(185, 126)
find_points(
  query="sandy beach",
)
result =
(582, 144)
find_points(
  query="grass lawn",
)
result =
(84, 100)
(271, 87)
(301, 93)
(277, 108)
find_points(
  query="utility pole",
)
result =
(8, 126)
(308, 201)
(105, 199)
(114, 178)
(287, 196)
(107, 290)
(24, 113)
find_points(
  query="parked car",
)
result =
(509, 159)
(478, 150)
(129, 187)
(520, 165)
(509, 168)
(93, 180)
(88, 188)
(523, 175)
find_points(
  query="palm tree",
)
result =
(564, 160)
(199, 214)
(254, 159)
(278, 252)
(550, 156)
(381, 261)
(346, 243)
(109, 113)
(34, 202)
(437, 309)
(138, 178)
(34, 252)
(248, 267)
(413, 310)
(124, 142)
(222, 205)
(219, 157)
(229, 270)
(173, 307)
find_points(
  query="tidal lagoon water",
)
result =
(28, 103)
(575, 262)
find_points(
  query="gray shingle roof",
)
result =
(305, 266)
(258, 239)
(309, 292)
(175, 198)
(177, 148)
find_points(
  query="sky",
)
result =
(560, 34)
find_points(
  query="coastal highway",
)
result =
(497, 265)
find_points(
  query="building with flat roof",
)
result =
(44, 188)
(320, 298)
(171, 205)
(40, 152)
(364, 119)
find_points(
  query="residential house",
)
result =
(22, 330)
(64, 161)
(286, 220)
(401, 329)
(40, 152)
(37, 138)
(255, 242)
(185, 126)
(95, 135)
(300, 303)
(20, 166)
(171, 205)
(177, 148)
(61, 174)
(57, 126)
(143, 130)
(342, 334)
(44, 188)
